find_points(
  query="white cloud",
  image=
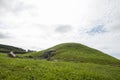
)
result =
(114, 26)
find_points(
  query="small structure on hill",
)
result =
(11, 54)
(47, 55)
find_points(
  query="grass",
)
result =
(71, 62)
(30, 69)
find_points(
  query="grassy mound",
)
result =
(77, 53)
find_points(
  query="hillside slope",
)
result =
(7, 48)
(75, 52)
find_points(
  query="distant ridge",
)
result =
(8, 48)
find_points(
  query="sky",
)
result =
(40, 24)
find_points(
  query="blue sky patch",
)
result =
(96, 30)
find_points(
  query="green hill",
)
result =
(68, 61)
(7, 48)
(75, 52)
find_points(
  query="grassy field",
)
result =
(61, 68)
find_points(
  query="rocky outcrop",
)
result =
(11, 54)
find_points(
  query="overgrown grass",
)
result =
(30, 69)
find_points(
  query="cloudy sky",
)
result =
(39, 24)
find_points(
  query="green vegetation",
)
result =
(77, 53)
(7, 48)
(71, 61)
